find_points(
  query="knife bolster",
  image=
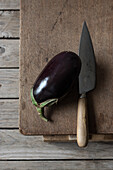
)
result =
(83, 95)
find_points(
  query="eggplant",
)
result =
(55, 80)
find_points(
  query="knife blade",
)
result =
(87, 79)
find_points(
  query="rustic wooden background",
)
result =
(30, 152)
(49, 27)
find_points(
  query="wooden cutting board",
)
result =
(49, 27)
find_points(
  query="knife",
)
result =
(87, 80)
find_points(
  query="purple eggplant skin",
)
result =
(57, 77)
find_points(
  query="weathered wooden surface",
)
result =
(29, 148)
(57, 27)
(9, 4)
(13, 145)
(9, 24)
(9, 53)
(9, 113)
(9, 83)
(56, 165)
(73, 138)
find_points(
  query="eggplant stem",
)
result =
(33, 99)
(41, 113)
(48, 102)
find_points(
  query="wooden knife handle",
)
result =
(82, 123)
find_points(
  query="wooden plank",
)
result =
(58, 27)
(9, 4)
(14, 145)
(9, 85)
(9, 53)
(67, 138)
(9, 24)
(8, 113)
(53, 165)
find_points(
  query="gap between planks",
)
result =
(54, 160)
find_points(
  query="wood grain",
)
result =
(9, 24)
(9, 4)
(13, 145)
(82, 122)
(9, 113)
(59, 165)
(73, 138)
(9, 83)
(9, 53)
(56, 28)
(28, 148)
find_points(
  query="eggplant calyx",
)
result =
(41, 113)
(40, 109)
(49, 102)
(33, 99)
